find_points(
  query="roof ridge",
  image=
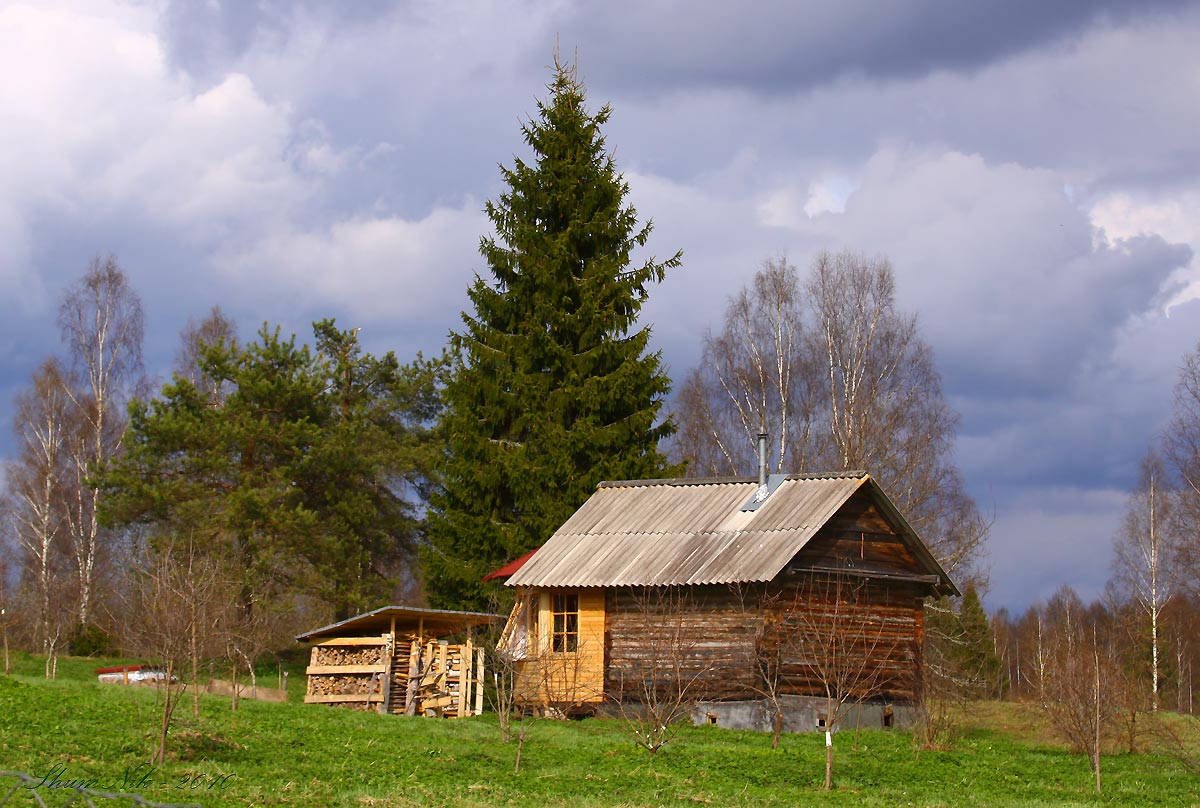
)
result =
(682, 481)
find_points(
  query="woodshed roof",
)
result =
(698, 531)
(407, 620)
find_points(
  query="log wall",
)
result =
(863, 637)
(701, 638)
(725, 642)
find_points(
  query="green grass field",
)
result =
(308, 755)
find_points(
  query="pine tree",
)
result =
(303, 474)
(552, 388)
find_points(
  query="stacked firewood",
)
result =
(348, 655)
(332, 685)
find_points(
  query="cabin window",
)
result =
(565, 614)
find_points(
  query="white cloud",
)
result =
(829, 195)
(1174, 216)
(100, 122)
(791, 204)
(219, 155)
(377, 269)
(999, 262)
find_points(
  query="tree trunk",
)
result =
(195, 675)
(1154, 660)
(1096, 739)
(164, 725)
(828, 760)
(1178, 677)
(520, 747)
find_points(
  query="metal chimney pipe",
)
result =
(762, 458)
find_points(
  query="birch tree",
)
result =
(1140, 567)
(1181, 452)
(101, 321)
(38, 487)
(757, 377)
(197, 337)
(840, 379)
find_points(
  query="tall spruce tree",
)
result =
(552, 389)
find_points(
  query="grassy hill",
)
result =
(307, 755)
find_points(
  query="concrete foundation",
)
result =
(800, 714)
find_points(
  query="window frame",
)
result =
(564, 623)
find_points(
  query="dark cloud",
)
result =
(780, 46)
(205, 38)
(1050, 535)
(1030, 169)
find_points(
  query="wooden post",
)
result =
(414, 678)
(442, 672)
(389, 653)
(479, 672)
(464, 677)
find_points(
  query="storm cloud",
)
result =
(1032, 171)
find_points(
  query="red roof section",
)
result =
(510, 568)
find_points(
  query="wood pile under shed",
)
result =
(407, 668)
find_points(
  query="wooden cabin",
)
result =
(398, 660)
(722, 584)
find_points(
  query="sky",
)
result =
(1031, 169)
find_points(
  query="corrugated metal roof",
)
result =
(667, 532)
(435, 622)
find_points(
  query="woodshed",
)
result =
(398, 659)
